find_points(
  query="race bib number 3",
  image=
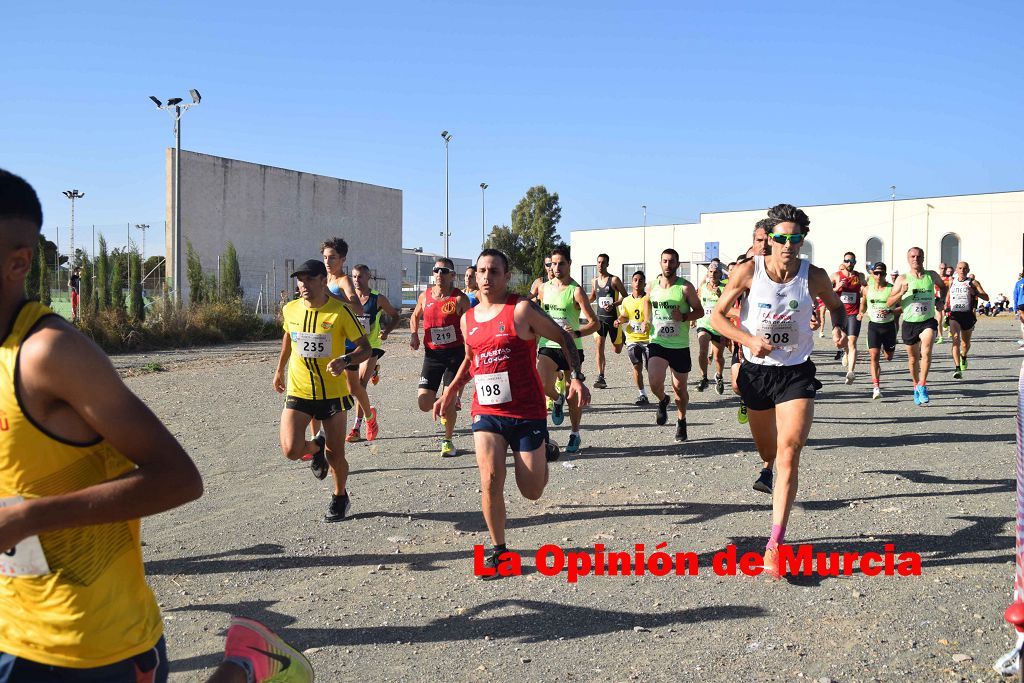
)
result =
(442, 335)
(26, 558)
(493, 389)
(312, 345)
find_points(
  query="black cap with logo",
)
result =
(311, 267)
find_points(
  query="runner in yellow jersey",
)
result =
(633, 319)
(316, 327)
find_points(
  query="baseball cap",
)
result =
(311, 267)
(878, 266)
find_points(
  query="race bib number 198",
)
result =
(26, 558)
(493, 389)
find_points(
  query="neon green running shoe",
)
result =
(741, 414)
(963, 362)
(271, 659)
(447, 448)
(560, 385)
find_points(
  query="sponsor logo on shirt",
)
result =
(327, 324)
(448, 307)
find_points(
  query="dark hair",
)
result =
(787, 213)
(674, 253)
(448, 263)
(471, 267)
(765, 224)
(644, 277)
(606, 257)
(18, 201)
(337, 244)
(361, 266)
(494, 253)
(850, 253)
(563, 251)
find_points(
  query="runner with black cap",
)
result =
(881, 323)
(311, 368)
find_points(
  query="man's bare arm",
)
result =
(543, 326)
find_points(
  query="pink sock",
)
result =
(778, 535)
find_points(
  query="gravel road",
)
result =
(388, 594)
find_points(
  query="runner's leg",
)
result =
(793, 423)
(293, 435)
(927, 339)
(531, 471)
(491, 450)
(334, 430)
(914, 361)
(954, 337)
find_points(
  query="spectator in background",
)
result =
(1018, 306)
(75, 285)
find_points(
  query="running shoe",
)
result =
(917, 395)
(447, 448)
(1020, 342)
(702, 384)
(940, 340)
(719, 385)
(372, 426)
(338, 508)
(741, 414)
(958, 373)
(270, 658)
(963, 362)
(821, 334)
(376, 376)
(925, 399)
(560, 385)
(771, 564)
(876, 394)
(550, 403)
(662, 416)
(763, 483)
(642, 400)
(850, 376)
(574, 444)
(558, 411)
(599, 383)
(552, 453)
(839, 354)
(354, 436)
(680, 431)
(945, 322)
(319, 464)
(491, 563)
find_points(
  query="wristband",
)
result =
(576, 333)
(345, 359)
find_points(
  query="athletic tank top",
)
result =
(708, 299)
(878, 309)
(667, 332)
(441, 320)
(75, 597)
(636, 310)
(961, 296)
(919, 300)
(504, 367)
(849, 292)
(605, 295)
(369, 321)
(781, 313)
(473, 299)
(561, 306)
(318, 336)
(335, 289)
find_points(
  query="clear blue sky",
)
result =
(612, 105)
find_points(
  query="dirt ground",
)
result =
(389, 594)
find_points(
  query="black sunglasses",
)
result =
(441, 270)
(849, 260)
(547, 264)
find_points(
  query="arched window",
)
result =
(808, 251)
(873, 251)
(950, 249)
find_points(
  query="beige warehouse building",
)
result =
(987, 230)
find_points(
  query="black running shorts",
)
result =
(606, 328)
(321, 408)
(521, 435)
(439, 363)
(716, 338)
(678, 359)
(762, 387)
(852, 325)
(965, 319)
(911, 332)
(882, 335)
(558, 357)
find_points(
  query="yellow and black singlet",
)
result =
(74, 597)
(318, 336)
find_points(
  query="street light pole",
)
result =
(644, 207)
(176, 109)
(892, 229)
(483, 216)
(447, 233)
(72, 195)
(142, 227)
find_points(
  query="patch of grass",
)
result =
(152, 367)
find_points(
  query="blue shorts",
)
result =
(521, 435)
(148, 667)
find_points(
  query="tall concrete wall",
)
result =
(278, 218)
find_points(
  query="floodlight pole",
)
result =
(142, 227)
(892, 229)
(72, 195)
(447, 233)
(483, 215)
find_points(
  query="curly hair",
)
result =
(337, 244)
(787, 213)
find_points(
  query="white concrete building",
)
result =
(278, 218)
(987, 230)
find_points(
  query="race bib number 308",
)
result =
(493, 389)
(26, 558)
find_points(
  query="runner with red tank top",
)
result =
(848, 284)
(501, 334)
(440, 308)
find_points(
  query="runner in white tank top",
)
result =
(777, 379)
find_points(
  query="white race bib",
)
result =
(604, 302)
(636, 327)
(780, 333)
(919, 308)
(26, 558)
(879, 315)
(442, 335)
(364, 320)
(848, 297)
(960, 300)
(561, 322)
(668, 328)
(493, 389)
(312, 344)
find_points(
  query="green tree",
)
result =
(117, 286)
(44, 273)
(103, 277)
(136, 304)
(509, 243)
(32, 280)
(152, 273)
(87, 289)
(230, 275)
(194, 271)
(535, 221)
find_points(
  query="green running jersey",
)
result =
(666, 332)
(562, 308)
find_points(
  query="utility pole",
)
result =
(72, 195)
(483, 216)
(142, 227)
(892, 229)
(447, 232)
